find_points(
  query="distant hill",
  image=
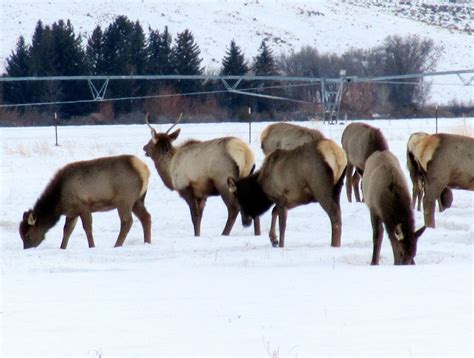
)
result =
(330, 26)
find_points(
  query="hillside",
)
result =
(331, 26)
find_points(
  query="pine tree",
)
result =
(234, 64)
(41, 64)
(159, 56)
(123, 39)
(95, 52)
(186, 61)
(265, 65)
(17, 65)
(68, 60)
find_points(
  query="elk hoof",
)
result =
(274, 243)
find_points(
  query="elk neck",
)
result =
(162, 165)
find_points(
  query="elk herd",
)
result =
(301, 166)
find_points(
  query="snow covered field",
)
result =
(217, 295)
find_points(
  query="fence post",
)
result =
(250, 125)
(56, 127)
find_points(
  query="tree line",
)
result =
(125, 48)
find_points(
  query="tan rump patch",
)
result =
(241, 153)
(144, 172)
(334, 156)
(425, 149)
(414, 140)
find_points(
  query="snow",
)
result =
(331, 26)
(216, 295)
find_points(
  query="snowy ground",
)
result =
(217, 295)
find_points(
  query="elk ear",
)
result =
(399, 233)
(31, 218)
(232, 185)
(420, 231)
(175, 134)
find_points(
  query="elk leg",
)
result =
(86, 218)
(194, 208)
(349, 171)
(144, 216)
(356, 183)
(282, 215)
(272, 233)
(126, 222)
(332, 208)
(232, 211)
(377, 236)
(68, 229)
(429, 204)
(256, 226)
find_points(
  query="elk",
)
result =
(287, 136)
(81, 188)
(446, 162)
(199, 169)
(388, 199)
(359, 141)
(416, 175)
(309, 173)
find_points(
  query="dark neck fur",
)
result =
(252, 199)
(47, 208)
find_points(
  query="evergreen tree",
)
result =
(122, 41)
(186, 61)
(159, 56)
(69, 60)
(17, 66)
(41, 64)
(234, 64)
(95, 52)
(265, 65)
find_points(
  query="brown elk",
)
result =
(359, 141)
(199, 169)
(309, 173)
(81, 188)
(417, 177)
(287, 136)
(388, 199)
(446, 162)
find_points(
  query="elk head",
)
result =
(404, 245)
(160, 143)
(31, 234)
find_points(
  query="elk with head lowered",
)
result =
(388, 199)
(84, 187)
(359, 140)
(199, 169)
(446, 162)
(312, 172)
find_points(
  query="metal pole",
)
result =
(56, 127)
(250, 126)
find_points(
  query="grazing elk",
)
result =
(81, 188)
(359, 141)
(287, 136)
(446, 162)
(309, 173)
(417, 177)
(388, 199)
(199, 169)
